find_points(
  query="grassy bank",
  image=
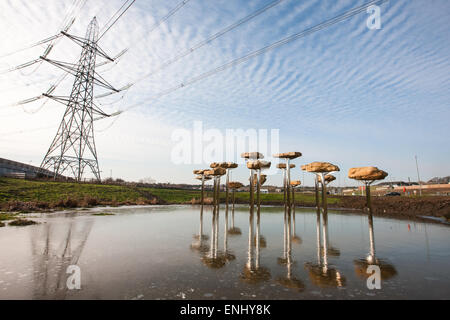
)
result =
(26, 195)
(29, 196)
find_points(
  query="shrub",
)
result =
(22, 222)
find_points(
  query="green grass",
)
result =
(27, 196)
(270, 198)
(24, 190)
(173, 195)
(7, 216)
(103, 214)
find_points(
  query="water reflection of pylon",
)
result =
(50, 264)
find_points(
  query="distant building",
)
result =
(14, 169)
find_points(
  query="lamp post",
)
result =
(418, 177)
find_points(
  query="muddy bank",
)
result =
(400, 206)
(43, 206)
(382, 206)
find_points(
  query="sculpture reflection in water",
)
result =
(201, 238)
(387, 269)
(368, 175)
(234, 186)
(55, 247)
(322, 274)
(295, 238)
(259, 180)
(288, 281)
(212, 257)
(253, 272)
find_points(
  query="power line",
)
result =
(117, 19)
(114, 15)
(154, 27)
(167, 16)
(41, 42)
(125, 88)
(65, 26)
(213, 37)
(203, 42)
(279, 43)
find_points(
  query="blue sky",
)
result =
(346, 94)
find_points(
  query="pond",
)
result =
(169, 252)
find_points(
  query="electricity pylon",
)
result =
(73, 147)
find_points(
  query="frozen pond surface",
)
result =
(156, 253)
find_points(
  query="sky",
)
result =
(347, 94)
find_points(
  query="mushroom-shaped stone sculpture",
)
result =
(328, 178)
(367, 175)
(294, 184)
(282, 166)
(258, 179)
(251, 156)
(200, 175)
(288, 156)
(321, 169)
(227, 166)
(234, 185)
(216, 173)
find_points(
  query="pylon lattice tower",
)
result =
(73, 148)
